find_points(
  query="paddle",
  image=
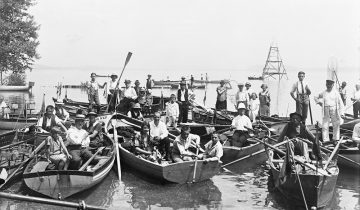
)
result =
(321, 171)
(38, 148)
(311, 118)
(113, 123)
(92, 158)
(327, 150)
(117, 84)
(195, 165)
(333, 152)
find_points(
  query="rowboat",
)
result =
(17, 123)
(255, 78)
(166, 172)
(64, 183)
(350, 151)
(317, 188)
(16, 88)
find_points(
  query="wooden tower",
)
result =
(274, 65)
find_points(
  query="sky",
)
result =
(195, 35)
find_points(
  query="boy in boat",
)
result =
(141, 145)
(94, 129)
(240, 123)
(172, 112)
(302, 96)
(213, 149)
(159, 135)
(62, 114)
(221, 101)
(56, 149)
(49, 120)
(112, 92)
(78, 142)
(135, 112)
(93, 91)
(332, 110)
(182, 143)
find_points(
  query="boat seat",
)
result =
(100, 163)
(39, 166)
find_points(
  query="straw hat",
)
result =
(59, 103)
(114, 75)
(136, 106)
(55, 129)
(296, 114)
(79, 117)
(91, 113)
(241, 106)
(127, 81)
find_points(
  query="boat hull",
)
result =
(351, 153)
(256, 151)
(11, 124)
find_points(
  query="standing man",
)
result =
(191, 81)
(221, 101)
(93, 91)
(183, 99)
(242, 96)
(343, 92)
(332, 109)
(149, 82)
(356, 100)
(159, 135)
(128, 96)
(240, 123)
(248, 88)
(137, 87)
(302, 99)
(112, 92)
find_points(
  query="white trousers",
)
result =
(171, 121)
(330, 115)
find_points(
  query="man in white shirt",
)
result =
(240, 123)
(302, 99)
(49, 120)
(356, 100)
(332, 110)
(172, 111)
(93, 91)
(112, 92)
(213, 149)
(78, 142)
(128, 96)
(182, 143)
(242, 96)
(62, 114)
(159, 135)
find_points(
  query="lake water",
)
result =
(245, 189)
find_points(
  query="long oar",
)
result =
(321, 171)
(327, 150)
(195, 165)
(311, 118)
(38, 148)
(117, 84)
(113, 123)
(333, 152)
(83, 167)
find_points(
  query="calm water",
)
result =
(245, 189)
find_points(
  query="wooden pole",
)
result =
(333, 152)
(311, 118)
(113, 123)
(80, 205)
(195, 164)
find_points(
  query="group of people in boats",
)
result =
(81, 137)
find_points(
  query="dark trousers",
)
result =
(78, 156)
(356, 109)
(302, 108)
(184, 110)
(239, 138)
(163, 146)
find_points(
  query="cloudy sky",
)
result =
(197, 34)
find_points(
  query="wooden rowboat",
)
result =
(64, 183)
(318, 189)
(16, 123)
(167, 171)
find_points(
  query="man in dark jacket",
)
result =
(183, 100)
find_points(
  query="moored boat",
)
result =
(17, 123)
(64, 183)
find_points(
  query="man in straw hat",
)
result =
(93, 91)
(221, 100)
(112, 92)
(240, 123)
(128, 96)
(182, 143)
(302, 99)
(135, 112)
(332, 110)
(78, 142)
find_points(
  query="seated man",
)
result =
(296, 129)
(94, 128)
(56, 150)
(240, 123)
(182, 143)
(78, 143)
(159, 135)
(49, 120)
(141, 144)
(62, 114)
(213, 149)
(135, 112)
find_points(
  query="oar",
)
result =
(333, 153)
(321, 171)
(38, 148)
(253, 154)
(92, 158)
(327, 150)
(195, 165)
(117, 84)
(113, 123)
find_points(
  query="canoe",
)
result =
(167, 172)
(318, 189)
(16, 123)
(64, 183)
(15, 88)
